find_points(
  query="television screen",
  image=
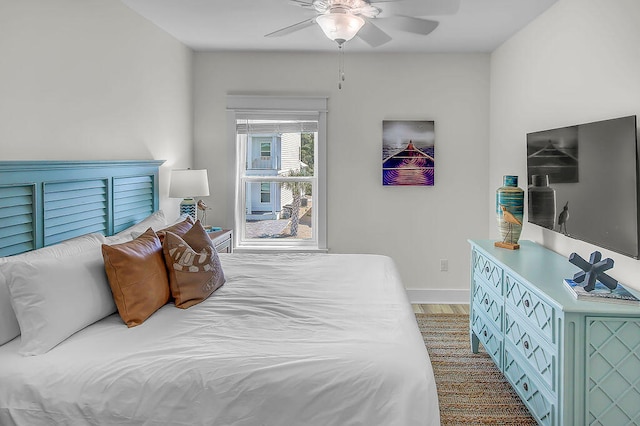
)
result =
(583, 182)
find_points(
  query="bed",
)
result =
(289, 339)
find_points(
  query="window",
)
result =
(265, 149)
(265, 192)
(279, 198)
(262, 151)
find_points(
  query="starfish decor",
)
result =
(593, 270)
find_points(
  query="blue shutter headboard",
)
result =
(45, 202)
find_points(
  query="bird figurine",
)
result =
(203, 207)
(563, 218)
(508, 217)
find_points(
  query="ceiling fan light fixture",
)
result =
(340, 27)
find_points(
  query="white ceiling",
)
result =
(478, 26)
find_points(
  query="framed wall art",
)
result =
(408, 153)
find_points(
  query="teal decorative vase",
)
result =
(510, 210)
(542, 202)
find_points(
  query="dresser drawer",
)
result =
(488, 270)
(486, 302)
(490, 339)
(540, 404)
(540, 356)
(536, 311)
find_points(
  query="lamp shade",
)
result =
(189, 183)
(340, 27)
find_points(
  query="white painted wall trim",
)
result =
(248, 106)
(441, 296)
(285, 104)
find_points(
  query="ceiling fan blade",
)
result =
(416, 7)
(372, 35)
(303, 3)
(412, 25)
(292, 28)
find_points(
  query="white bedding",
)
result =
(300, 339)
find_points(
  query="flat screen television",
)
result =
(583, 182)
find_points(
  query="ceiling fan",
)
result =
(341, 20)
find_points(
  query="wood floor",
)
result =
(441, 309)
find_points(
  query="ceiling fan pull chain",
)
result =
(340, 65)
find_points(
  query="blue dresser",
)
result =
(571, 362)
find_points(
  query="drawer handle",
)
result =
(526, 344)
(485, 333)
(486, 301)
(486, 269)
(525, 386)
(526, 303)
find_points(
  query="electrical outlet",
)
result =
(444, 265)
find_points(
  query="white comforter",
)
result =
(288, 340)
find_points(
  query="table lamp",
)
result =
(187, 184)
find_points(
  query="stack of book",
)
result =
(601, 293)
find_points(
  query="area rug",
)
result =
(471, 389)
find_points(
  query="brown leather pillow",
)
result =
(137, 276)
(179, 228)
(193, 264)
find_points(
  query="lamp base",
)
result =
(188, 206)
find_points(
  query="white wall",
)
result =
(417, 226)
(92, 80)
(578, 62)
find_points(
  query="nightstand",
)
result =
(222, 240)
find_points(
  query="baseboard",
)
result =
(439, 296)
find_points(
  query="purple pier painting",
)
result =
(408, 153)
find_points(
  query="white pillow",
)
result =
(54, 298)
(156, 221)
(179, 219)
(9, 327)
